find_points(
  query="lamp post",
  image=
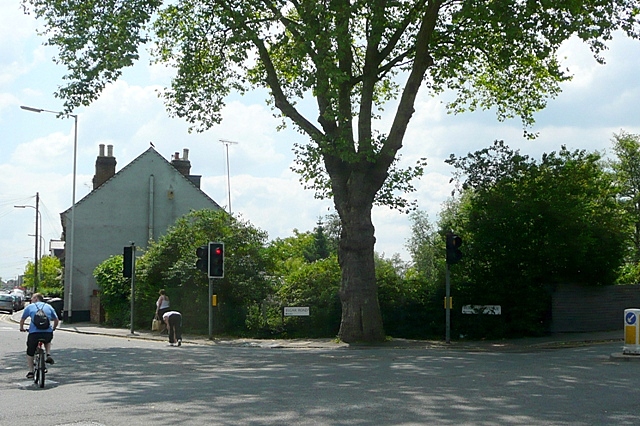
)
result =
(35, 256)
(226, 144)
(73, 204)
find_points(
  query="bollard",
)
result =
(631, 332)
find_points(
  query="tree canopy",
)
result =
(353, 58)
(530, 225)
(626, 168)
(50, 276)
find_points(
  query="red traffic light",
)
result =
(216, 260)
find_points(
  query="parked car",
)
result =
(6, 303)
(18, 301)
(18, 292)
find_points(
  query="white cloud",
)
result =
(277, 205)
(15, 28)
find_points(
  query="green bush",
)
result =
(115, 292)
(170, 263)
(315, 285)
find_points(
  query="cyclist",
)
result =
(35, 334)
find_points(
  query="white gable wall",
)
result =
(144, 199)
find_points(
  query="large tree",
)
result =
(352, 57)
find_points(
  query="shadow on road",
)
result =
(231, 385)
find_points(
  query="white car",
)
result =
(18, 299)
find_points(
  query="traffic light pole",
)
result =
(211, 261)
(447, 303)
(453, 255)
(210, 308)
(133, 280)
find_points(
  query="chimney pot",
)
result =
(185, 154)
(109, 150)
(101, 154)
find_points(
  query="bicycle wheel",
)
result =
(41, 368)
(36, 372)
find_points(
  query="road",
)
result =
(101, 380)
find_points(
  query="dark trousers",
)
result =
(175, 328)
(32, 340)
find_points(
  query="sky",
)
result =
(36, 150)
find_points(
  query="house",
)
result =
(137, 204)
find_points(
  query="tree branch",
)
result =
(405, 110)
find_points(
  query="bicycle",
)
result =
(39, 367)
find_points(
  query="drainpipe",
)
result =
(151, 195)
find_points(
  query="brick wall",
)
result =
(584, 309)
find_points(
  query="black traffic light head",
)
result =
(203, 258)
(127, 262)
(453, 248)
(216, 260)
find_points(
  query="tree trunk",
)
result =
(361, 318)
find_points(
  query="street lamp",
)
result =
(35, 257)
(226, 144)
(73, 202)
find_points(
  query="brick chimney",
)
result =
(105, 166)
(183, 165)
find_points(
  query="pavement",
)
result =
(528, 344)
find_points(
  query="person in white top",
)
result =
(173, 320)
(162, 306)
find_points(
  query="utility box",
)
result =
(631, 332)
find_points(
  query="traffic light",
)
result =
(453, 248)
(127, 262)
(203, 258)
(216, 260)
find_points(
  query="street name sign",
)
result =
(482, 309)
(296, 311)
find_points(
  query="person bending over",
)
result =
(173, 320)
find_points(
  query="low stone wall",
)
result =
(584, 309)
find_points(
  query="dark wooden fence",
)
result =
(584, 309)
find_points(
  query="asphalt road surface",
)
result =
(101, 380)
